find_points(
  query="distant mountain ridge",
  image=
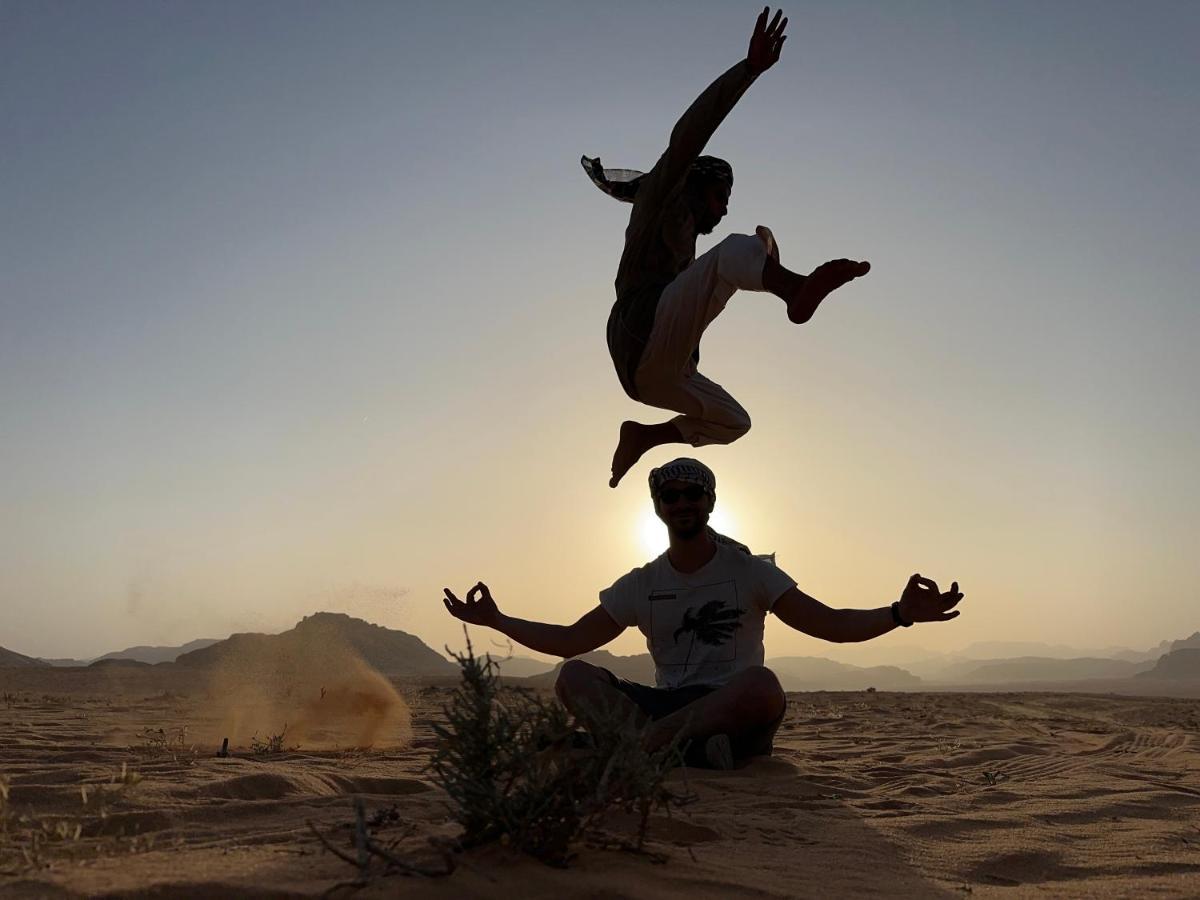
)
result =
(796, 673)
(388, 651)
(154, 655)
(520, 666)
(816, 673)
(1038, 668)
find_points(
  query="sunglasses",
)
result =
(692, 492)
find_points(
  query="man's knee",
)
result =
(574, 675)
(740, 259)
(761, 693)
(726, 428)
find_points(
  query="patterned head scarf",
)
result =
(623, 183)
(685, 469)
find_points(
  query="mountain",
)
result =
(118, 663)
(10, 659)
(1191, 643)
(796, 673)
(1039, 668)
(65, 663)
(390, 652)
(814, 673)
(521, 666)
(997, 650)
(1177, 665)
(638, 668)
(158, 654)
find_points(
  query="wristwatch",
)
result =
(896, 615)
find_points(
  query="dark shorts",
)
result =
(658, 703)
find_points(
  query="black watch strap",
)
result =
(896, 615)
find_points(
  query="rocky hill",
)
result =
(386, 650)
(1178, 665)
(11, 659)
(1191, 643)
(639, 668)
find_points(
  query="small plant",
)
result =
(97, 797)
(4, 813)
(273, 744)
(506, 759)
(160, 741)
(9, 699)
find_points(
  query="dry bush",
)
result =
(506, 759)
(272, 744)
(165, 742)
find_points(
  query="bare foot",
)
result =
(825, 279)
(632, 444)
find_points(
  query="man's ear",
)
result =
(712, 502)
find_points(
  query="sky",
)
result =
(302, 308)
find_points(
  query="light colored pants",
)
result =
(666, 377)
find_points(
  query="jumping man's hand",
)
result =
(921, 601)
(767, 41)
(479, 608)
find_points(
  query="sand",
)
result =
(917, 794)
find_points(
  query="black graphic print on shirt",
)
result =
(695, 626)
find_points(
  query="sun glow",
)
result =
(652, 533)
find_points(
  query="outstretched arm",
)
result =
(920, 602)
(595, 629)
(693, 130)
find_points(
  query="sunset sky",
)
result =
(302, 307)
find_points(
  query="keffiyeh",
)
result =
(685, 469)
(623, 184)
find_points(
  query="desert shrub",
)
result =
(161, 741)
(505, 758)
(272, 744)
(96, 798)
(4, 811)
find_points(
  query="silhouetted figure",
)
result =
(666, 297)
(702, 606)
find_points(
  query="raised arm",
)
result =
(920, 602)
(595, 629)
(693, 130)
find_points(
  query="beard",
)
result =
(706, 223)
(696, 523)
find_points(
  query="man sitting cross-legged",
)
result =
(701, 606)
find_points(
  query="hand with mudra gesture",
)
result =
(923, 602)
(478, 609)
(767, 41)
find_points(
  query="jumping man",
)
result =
(666, 297)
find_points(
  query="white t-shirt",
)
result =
(701, 627)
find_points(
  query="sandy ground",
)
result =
(923, 795)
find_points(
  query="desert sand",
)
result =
(904, 794)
